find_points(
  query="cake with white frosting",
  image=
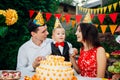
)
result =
(55, 68)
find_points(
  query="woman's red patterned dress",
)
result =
(87, 62)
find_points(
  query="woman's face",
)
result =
(79, 34)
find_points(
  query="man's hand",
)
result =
(36, 63)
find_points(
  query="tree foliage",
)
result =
(17, 34)
(71, 2)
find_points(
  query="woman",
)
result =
(92, 59)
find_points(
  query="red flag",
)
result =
(92, 16)
(78, 18)
(57, 15)
(113, 16)
(67, 17)
(48, 15)
(118, 29)
(31, 12)
(101, 17)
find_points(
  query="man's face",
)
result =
(41, 34)
(59, 35)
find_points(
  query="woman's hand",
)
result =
(75, 51)
(116, 77)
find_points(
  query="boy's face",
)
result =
(59, 35)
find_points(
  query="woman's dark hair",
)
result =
(90, 34)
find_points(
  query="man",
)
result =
(33, 51)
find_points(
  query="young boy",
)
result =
(59, 46)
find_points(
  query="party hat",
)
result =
(87, 18)
(57, 23)
(38, 20)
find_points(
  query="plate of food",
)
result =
(10, 75)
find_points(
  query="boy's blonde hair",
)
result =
(58, 27)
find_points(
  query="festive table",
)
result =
(77, 75)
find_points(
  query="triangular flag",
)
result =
(119, 3)
(110, 7)
(113, 16)
(63, 18)
(115, 5)
(80, 8)
(96, 25)
(95, 11)
(78, 18)
(73, 23)
(67, 17)
(57, 15)
(105, 8)
(87, 18)
(98, 11)
(92, 16)
(103, 28)
(31, 12)
(101, 17)
(88, 10)
(85, 10)
(118, 29)
(112, 28)
(48, 15)
(101, 10)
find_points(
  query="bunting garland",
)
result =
(114, 6)
(67, 17)
(113, 16)
(78, 18)
(57, 16)
(31, 12)
(99, 12)
(73, 22)
(92, 16)
(103, 28)
(101, 17)
(112, 28)
(109, 8)
(105, 8)
(118, 29)
(48, 15)
(96, 25)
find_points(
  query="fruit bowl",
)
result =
(114, 68)
(10, 75)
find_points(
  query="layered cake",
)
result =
(55, 68)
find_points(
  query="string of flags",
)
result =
(100, 10)
(67, 17)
